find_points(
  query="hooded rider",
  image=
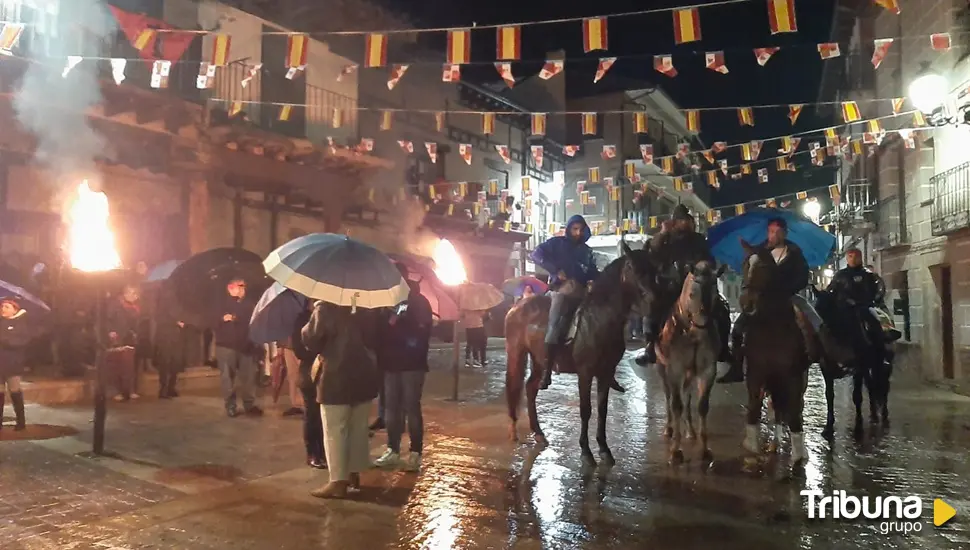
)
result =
(859, 288)
(571, 268)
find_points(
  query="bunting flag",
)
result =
(801, 195)
(755, 148)
(907, 137)
(508, 43)
(551, 68)
(205, 80)
(584, 197)
(829, 50)
(664, 64)
(609, 152)
(771, 203)
(451, 73)
(439, 122)
(723, 165)
(762, 176)
(296, 53)
(687, 25)
(346, 71)
(503, 151)
(144, 39)
(712, 179)
(285, 112)
(830, 136)
(640, 121)
(537, 156)
(118, 71)
(375, 50)
(337, 118)
(488, 123)
(432, 149)
(746, 169)
(646, 151)
(594, 174)
(538, 124)
(160, 72)
(787, 144)
(693, 120)
(397, 71)
(746, 116)
(850, 111)
(715, 62)
(719, 146)
(898, 105)
(738, 209)
(589, 124)
(678, 183)
(220, 50)
(386, 120)
(918, 119)
(881, 49)
(235, 108)
(667, 164)
(891, 5)
(493, 187)
(834, 193)
(505, 71)
(526, 186)
(594, 34)
(251, 74)
(406, 146)
(781, 164)
(367, 144)
(793, 112)
(874, 126)
(940, 41)
(762, 55)
(9, 35)
(630, 170)
(570, 150)
(459, 47)
(604, 65)
(781, 16)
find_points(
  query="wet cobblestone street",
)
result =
(187, 477)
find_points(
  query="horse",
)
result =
(775, 354)
(687, 353)
(871, 367)
(595, 351)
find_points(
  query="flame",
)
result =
(447, 264)
(91, 243)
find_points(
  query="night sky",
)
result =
(791, 76)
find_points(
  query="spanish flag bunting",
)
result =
(940, 41)
(746, 169)
(630, 170)
(891, 5)
(738, 209)
(710, 216)
(465, 150)
(503, 151)
(646, 151)
(687, 25)
(459, 47)
(462, 189)
(508, 42)
(493, 187)
(375, 50)
(709, 155)
(387, 118)
(507, 227)
(537, 155)
(296, 51)
(781, 16)
(874, 126)
(551, 68)
(505, 71)
(640, 123)
(594, 34)
(834, 192)
(712, 178)
(142, 41)
(831, 136)
(856, 147)
(746, 151)
(432, 149)
(898, 105)
(829, 50)
(451, 209)
(763, 175)
(850, 111)
(719, 146)
(346, 70)
(801, 195)
(220, 50)
(397, 71)
(793, 112)
(781, 163)
(678, 183)
(745, 116)
(723, 164)
(762, 55)
(664, 64)
(615, 194)
(10, 34)
(285, 111)
(439, 121)
(336, 118)
(451, 73)
(755, 148)
(584, 197)
(881, 48)
(589, 124)
(538, 124)
(653, 222)
(431, 191)
(609, 152)
(715, 62)
(235, 108)
(918, 119)
(594, 174)
(667, 164)
(771, 203)
(694, 120)
(406, 145)
(570, 150)
(488, 123)
(604, 65)
(627, 224)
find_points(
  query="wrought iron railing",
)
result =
(950, 210)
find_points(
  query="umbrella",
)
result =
(200, 282)
(438, 294)
(337, 269)
(516, 285)
(816, 243)
(162, 271)
(27, 301)
(275, 314)
(479, 296)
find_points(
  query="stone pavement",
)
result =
(187, 477)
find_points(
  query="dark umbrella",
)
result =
(816, 243)
(275, 314)
(162, 271)
(200, 282)
(443, 305)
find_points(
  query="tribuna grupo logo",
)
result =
(896, 514)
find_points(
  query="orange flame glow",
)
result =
(447, 264)
(91, 243)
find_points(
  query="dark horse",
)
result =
(775, 354)
(871, 367)
(596, 350)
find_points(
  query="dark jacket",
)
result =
(858, 286)
(408, 338)
(565, 254)
(121, 317)
(304, 355)
(345, 340)
(171, 342)
(793, 273)
(235, 334)
(14, 338)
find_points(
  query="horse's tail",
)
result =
(516, 352)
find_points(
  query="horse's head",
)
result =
(699, 293)
(639, 273)
(756, 274)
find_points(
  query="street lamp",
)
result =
(928, 91)
(813, 210)
(451, 271)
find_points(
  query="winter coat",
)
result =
(171, 342)
(121, 318)
(14, 338)
(684, 247)
(858, 286)
(346, 341)
(792, 276)
(234, 334)
(574, 258)
(304, 355)
(408, 338)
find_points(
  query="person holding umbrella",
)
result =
(235, 351)
(13, 341)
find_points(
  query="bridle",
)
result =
(685, 319)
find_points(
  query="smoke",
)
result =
(406, 216)
(53, 107)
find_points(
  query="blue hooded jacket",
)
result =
(564, 254)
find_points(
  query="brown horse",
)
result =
(775, 354)
(596, 350)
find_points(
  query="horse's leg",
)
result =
(887, 373)
(796, 408)
(754, 383)
(778, 434)
(531, 392)
(514, 380)
(669, 428)
(874, 389)
(688, 413)
(829, 378)
(677, 407)
(602, 402)
(704, 387)
(857, 382)
(585, 411)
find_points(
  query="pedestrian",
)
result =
(404, 373)
(346, 378)
(13, 343)
(143, 338)
(475, 338)
(312, 415)
(171, 347)
(120, 323)
(235, 352)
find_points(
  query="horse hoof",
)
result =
(541, 440)
(606, 458)
(707, 457)
(513, 434)
(588, 460)
(829, 432)
(799, 463)
(874, 420)
(676, 457)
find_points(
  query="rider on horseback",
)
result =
(679, 246)
(794, 277)
(860, 289)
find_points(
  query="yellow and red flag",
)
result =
(694, 120)
(664, 64)
(505, 71)
(940, 41)
(762, 55)
(738, 209)
(594, 34)
(712, 178)
(538, 124)
(834, 193)
(387, 118)
(891, 5)
(508, 43)
(781, 16)
(801, 195)
(589, 124)
(397, 71)
(375, 50)
(285, 112)
(488, 123)
(829, 50)
(850, 111)
(793, 112)
(687, 25)
(9, 34)
(919, 119)
(459, 47)
(144, 39)
(594, 174)
(640, 122)
(296, 50)
(220, 50)
(898, 105)
(745, 116)
(667, 164)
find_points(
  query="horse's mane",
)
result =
(609, 280)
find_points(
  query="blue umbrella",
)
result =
(816, 243)
(275, 314)
(337, 269)
(162, 271)
(26, 300)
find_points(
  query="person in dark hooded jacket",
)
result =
(13, 343)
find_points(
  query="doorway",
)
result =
(946, 307)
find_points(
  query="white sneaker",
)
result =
(135, 396)
(389, 459)
(413, 463)
(119, 398)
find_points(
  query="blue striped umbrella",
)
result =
(275, 314)
(337, 269)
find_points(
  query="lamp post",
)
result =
(928, 93)
(813, 210)
(451, 271)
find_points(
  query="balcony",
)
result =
(950, 210)
(890, 229)
(858, 208)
